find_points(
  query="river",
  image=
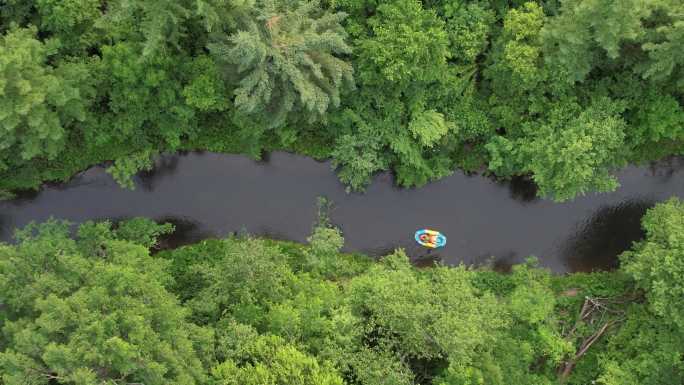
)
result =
(485, 221)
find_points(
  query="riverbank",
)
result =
(235, 309)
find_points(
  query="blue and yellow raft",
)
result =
(430, 238)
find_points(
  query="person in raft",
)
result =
(430, 238)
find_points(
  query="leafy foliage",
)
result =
(407, 43)
(648, 348)
(402, 52)
(83, 318)
(145, 101)
(657, 264)
(94, 307)
(570, 154)
(37, 101)
(72, 22)
(276, 363)
(418, 87)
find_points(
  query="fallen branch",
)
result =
(588, 315)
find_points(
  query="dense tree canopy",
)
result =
(37, 100)
(95, 307)
(92, 310)
(649, 347)
(561, 91)
(657, 263)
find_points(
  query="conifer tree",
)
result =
(286, 59)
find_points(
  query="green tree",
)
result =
(425, 319)
(142, 231)
(405, 44)
(518, 79)
(249, 286)
(287, 59)
(145, 104)
(123, 169)
(273, 362)
(590, 33)
(657, 262)
(380, 367)
(38, 102)
(17, 12)
(242, 281)
(531, 338)
(73, 22)
(469, 26)
(648, 347)
(656, 125)
(359, 152)
(317, 318)
(205, 90)
(646, 350)
(570, 154)
(393, 120)
(158, 25)
(645, 36)
(665, 45)
(104, 317)
(325, 244)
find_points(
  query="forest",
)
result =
(103, 305)
(560, 92)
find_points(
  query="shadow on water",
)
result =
(24, 196)
(4, 225)
(606, 234)
(78, 180)
(164, 166)
(426, 260)
(520, 188)
(418, 255)
(264, 158)
(523, 189)
(187, 231)
(377, 252)
(505, 263)
(27, 196)
(665, 169)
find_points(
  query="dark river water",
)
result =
(485, 221)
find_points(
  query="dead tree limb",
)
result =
(593, 311)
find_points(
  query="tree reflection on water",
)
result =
(605, 235)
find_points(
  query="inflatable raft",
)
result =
(430, 238)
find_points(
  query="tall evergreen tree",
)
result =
(286, 58)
